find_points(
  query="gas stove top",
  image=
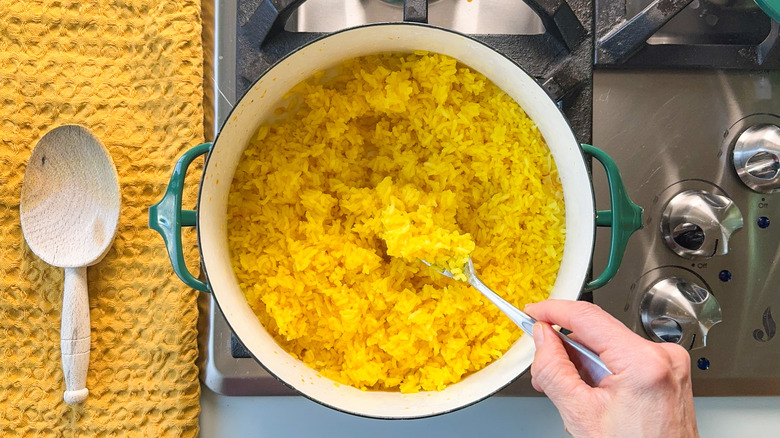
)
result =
(669, 89)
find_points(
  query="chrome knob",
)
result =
(679, 311)
(696, 223)
(757, 158)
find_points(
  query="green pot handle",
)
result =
(167, 217)
(771, 8)
(625, 217)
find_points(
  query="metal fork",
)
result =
(590, 365)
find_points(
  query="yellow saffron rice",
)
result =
(392, 158)
(418, 226)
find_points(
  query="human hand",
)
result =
(649, 394)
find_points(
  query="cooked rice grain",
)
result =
(305, 212)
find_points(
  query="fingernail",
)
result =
(538, 334)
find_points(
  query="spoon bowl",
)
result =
(69, 211)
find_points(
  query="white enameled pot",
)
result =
(258, 105)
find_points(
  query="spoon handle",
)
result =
(75, 334)
(589, 363)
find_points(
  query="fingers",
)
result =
(678, 355)
(670, 362)
(552, 372)
(596, 328)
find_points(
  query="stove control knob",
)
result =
(679, 311)
(696, 223)
(757, 158)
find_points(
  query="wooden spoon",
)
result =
(69, 212)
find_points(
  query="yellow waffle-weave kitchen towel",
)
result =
(130, 71)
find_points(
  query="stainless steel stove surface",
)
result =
(692, 275)
(673, 137)
(467, 16)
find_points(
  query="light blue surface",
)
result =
(494, 417)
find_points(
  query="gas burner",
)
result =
(550, 39)
(686, 102)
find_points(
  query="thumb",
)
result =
(552, 372)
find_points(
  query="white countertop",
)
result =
(495, 417)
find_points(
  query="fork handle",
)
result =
(590, 365)
(587, 361)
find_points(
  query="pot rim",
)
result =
(230, 114)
